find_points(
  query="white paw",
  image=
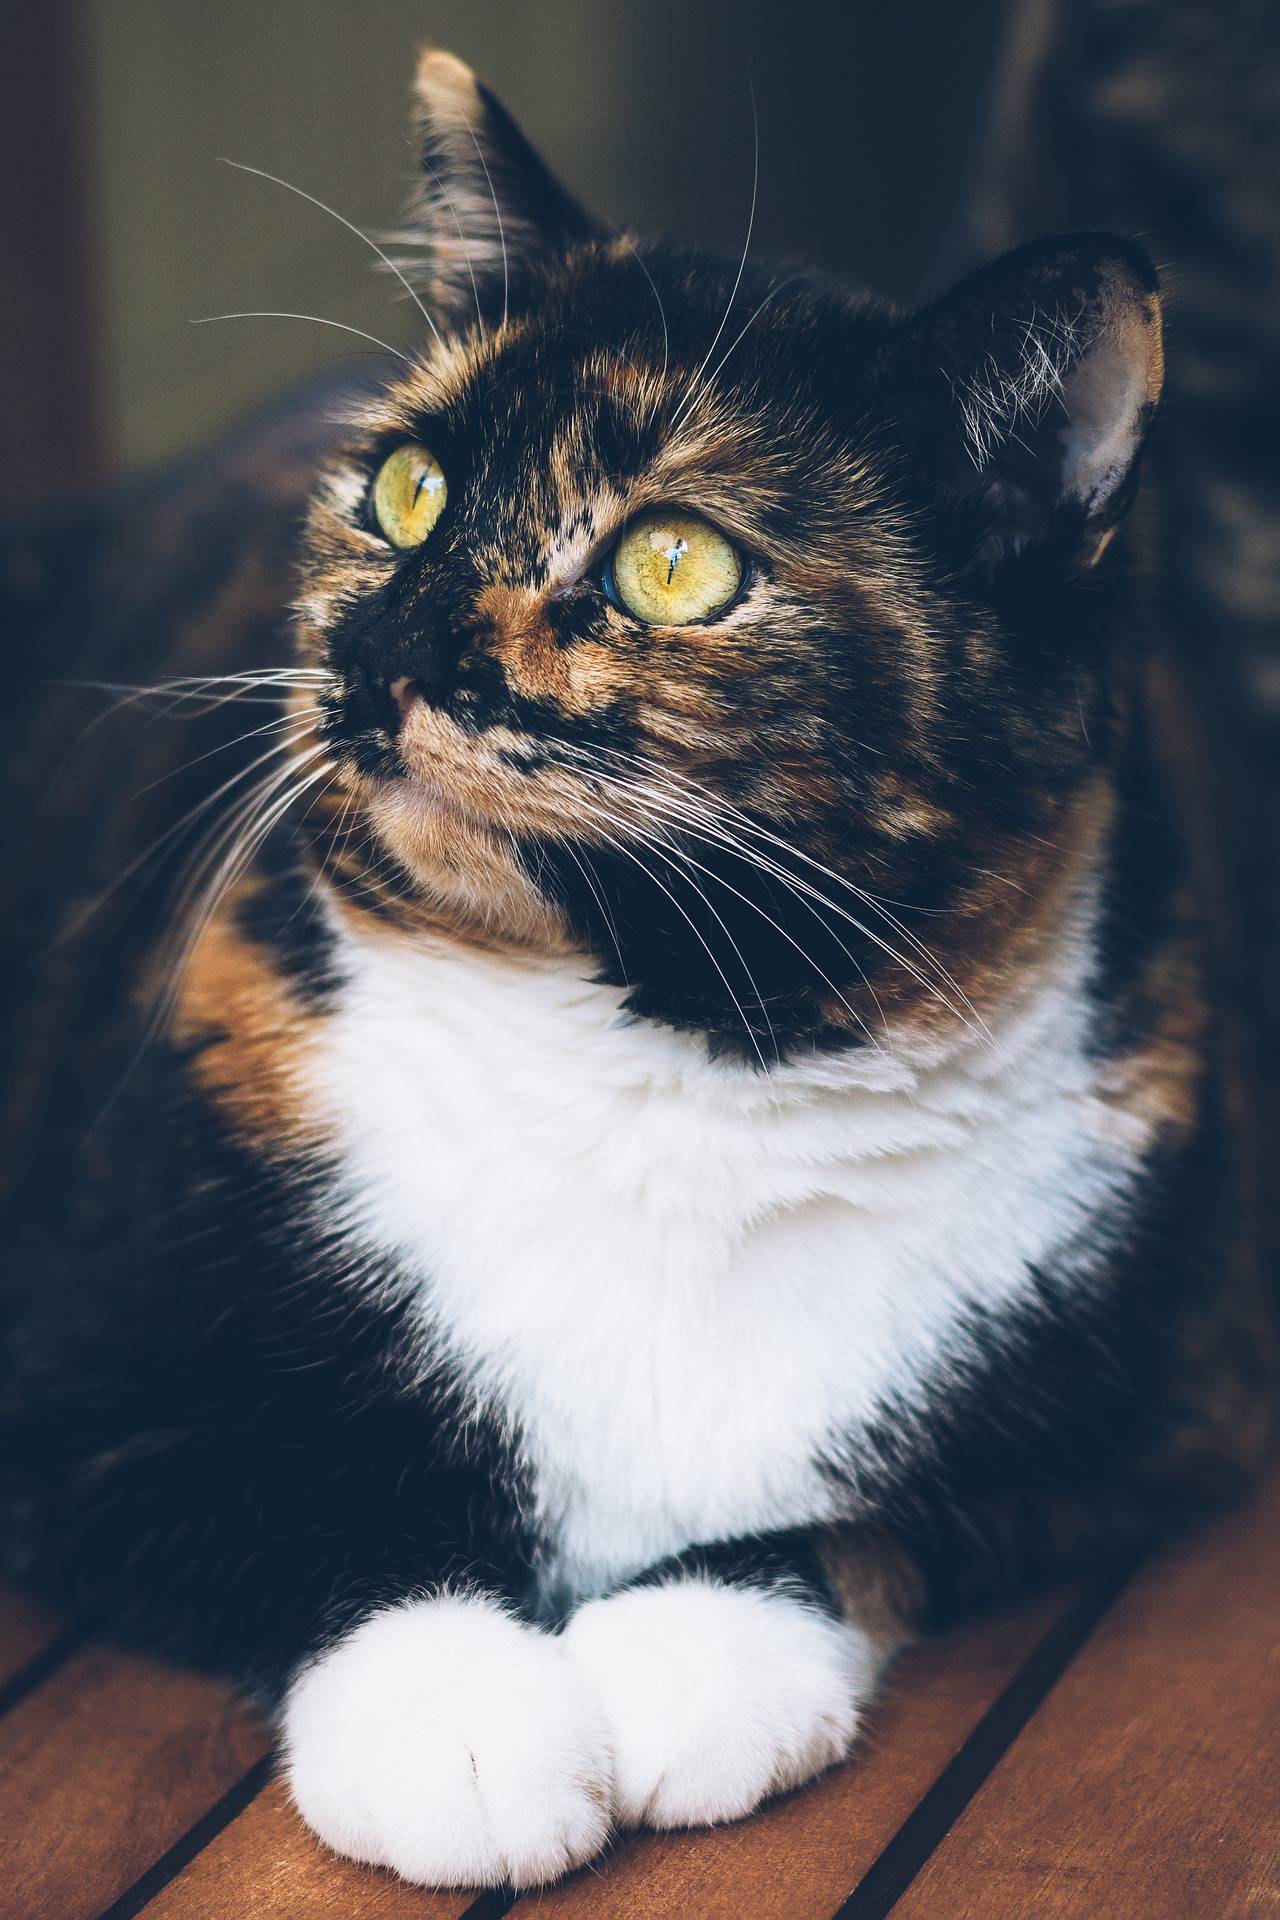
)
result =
(448, 1741)
(717, 1696)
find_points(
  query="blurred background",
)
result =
(126, 227)
(900, 142)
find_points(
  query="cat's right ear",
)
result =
(486, 214)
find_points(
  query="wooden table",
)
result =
(1110, 1752)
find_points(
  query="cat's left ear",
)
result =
(1044, 370)
(486, 213)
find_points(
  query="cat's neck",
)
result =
(552, 1007)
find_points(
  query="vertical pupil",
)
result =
(673, 555)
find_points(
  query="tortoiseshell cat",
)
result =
(681, 1136)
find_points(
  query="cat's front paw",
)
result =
(445, 1740)
(717, 1696)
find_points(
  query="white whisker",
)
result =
(297, 722)
(713, 815)
(178, 827)
(247, 842)
(746, 248)
(242, 167)
(466, 244)
(675, 852)
(497, 214)
(663, 846)
(709, 382)
(662, 312)
(267, 313)
(620, 847)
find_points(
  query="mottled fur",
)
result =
(607, 1003)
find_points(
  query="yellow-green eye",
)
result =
(671, 569)
(409, 495)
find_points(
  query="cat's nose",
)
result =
(405, 693)
(431, 666)
(427, 669)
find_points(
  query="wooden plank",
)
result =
(798, 1859)
(267, 1864)
(26, 1631)
(1149, 1782)
(102, 1769)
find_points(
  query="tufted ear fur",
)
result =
(1046, 367)
(486, 211)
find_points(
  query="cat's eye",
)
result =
(409, 495)
(670, 569)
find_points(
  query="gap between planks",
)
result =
(958, 1704)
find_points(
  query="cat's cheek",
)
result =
(448, 1741)
(717, 1696)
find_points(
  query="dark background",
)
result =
(121, 227)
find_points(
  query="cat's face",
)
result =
(740, 633)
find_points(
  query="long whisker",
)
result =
(720, 807)
(675, 852)
(266, 313)
(968, 1017)
(178, 827)
(466, 245)
(342, 828)
(497, 212)
(170, 698)
(176, 693)
(387, 261)
(799, 886)
(229, 871)
(217, 872)
(661, 844)
(746, 247)
(638, 257)
(691, 824)
(706, 385)
(299, 718)
(620, 847)
(224, 832)
(584, 868)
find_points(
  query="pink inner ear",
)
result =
(1105, 399)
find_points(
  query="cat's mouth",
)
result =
(496, 777)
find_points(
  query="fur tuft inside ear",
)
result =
(1052, 361)
(486, 212)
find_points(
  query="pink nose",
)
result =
(405, 693)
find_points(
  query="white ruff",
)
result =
(684, 1280)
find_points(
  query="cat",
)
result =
(678, 1136)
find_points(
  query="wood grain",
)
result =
(101, 1769)
(1149, 1782)
(267, 1865)
(799, 1858)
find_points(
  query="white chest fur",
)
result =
(682, 1280)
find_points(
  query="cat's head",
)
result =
(751, 637)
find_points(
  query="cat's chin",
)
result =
(462, 862)
(429, 793)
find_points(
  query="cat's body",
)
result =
(680, 1149)
(743, 1270)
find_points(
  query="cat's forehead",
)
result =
(583, 406)
(633, 329)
